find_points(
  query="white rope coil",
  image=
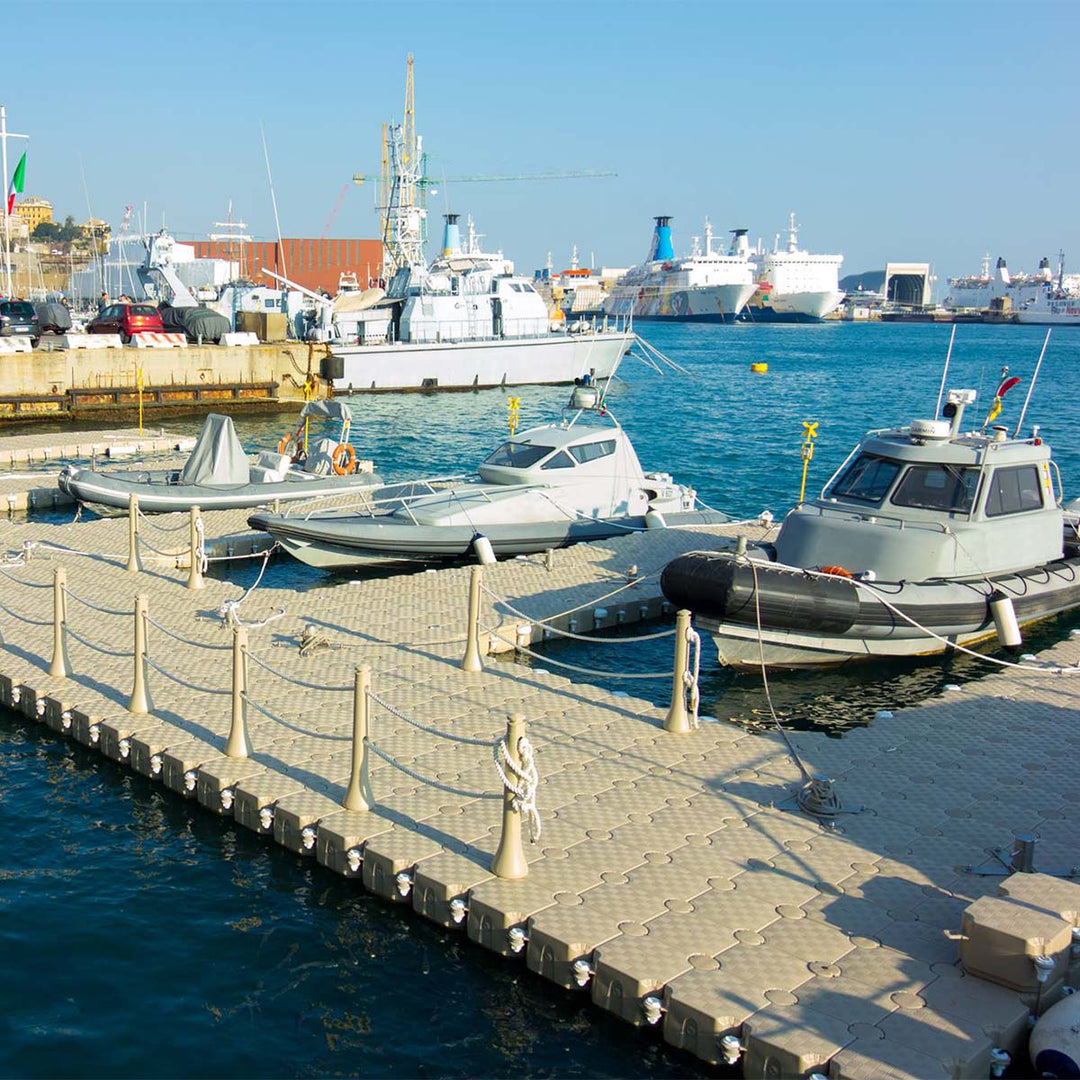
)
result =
(522, 781)
(692, 675)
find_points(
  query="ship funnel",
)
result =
(1044, 269)
(661, 241)
(739, 243)
(451, 235)
(1003, 273)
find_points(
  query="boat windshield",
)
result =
(867, 479)
(515, 455)
(937, 487)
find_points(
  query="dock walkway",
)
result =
(670, 878)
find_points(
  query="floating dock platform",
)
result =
(674, 878)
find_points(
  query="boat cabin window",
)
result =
(592, 450)
(866, 480)
(1014, 491)
(937, 487)
(562, 460)
(518, 455)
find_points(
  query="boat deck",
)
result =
(669, 866)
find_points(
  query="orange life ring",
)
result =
(835, 571)
(343, 459)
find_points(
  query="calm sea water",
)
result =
(141, 937)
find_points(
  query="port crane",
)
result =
(404, 185)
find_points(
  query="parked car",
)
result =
(18, 318)
(125, 320)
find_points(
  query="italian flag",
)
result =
(16, 185)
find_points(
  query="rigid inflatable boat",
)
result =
(219, 476)
(547, 487)
(924, 538)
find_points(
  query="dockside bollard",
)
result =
(59, 665)
(133, 566)
(195, 578)
(238, 744)
(471, 660)
(510, 861)
(358, 794)
(677, 719)
(139, 702)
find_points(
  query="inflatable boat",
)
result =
(218, 475)
(925, 538)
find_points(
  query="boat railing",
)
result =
(387, 497)
(888, 520)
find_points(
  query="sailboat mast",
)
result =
(7, 216)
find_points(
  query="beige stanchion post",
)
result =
(195, 578)
(510, 861)
(238, 744)
(133, 566)
(471, 660)
(58, 666)
(358, 795)
(139, 702)
(677, 719)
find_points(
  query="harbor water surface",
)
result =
(141, 937)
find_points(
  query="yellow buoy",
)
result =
(759, 369)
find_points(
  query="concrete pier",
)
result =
(674, 879)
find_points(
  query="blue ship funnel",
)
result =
(451, 244)
(661, 242)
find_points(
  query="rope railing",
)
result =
(494, 632)
(184, 640)
(94, 645)
(94, 607)
(449, 736)
(559, 632)
(183, 681)
(330, 688)
(249, 700)
(20, 581)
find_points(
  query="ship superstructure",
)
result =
(705, 286)
(794, 285)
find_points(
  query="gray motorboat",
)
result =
(924, 538)
(219, 475)
(548, 487)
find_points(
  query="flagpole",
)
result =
(4, 136)
(7, 216)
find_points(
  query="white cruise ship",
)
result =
(700, 287)
(977, 291)
(794, 285)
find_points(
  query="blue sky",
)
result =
(934, 131)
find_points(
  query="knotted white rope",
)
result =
(521, 781)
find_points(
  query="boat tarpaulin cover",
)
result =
(218, 458)
(333, 410)
(53, 315)
(204, 323)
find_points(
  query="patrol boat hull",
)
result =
(786, 617)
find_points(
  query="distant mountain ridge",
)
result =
(868, 281)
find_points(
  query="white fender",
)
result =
(1054, 1045)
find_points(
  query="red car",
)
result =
(125, 320)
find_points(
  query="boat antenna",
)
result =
(944, 373)
(1023, 411)
(273, 202)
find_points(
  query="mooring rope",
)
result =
(522, 781)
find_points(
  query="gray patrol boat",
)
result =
(924, 538)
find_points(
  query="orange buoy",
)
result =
(343, 459)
